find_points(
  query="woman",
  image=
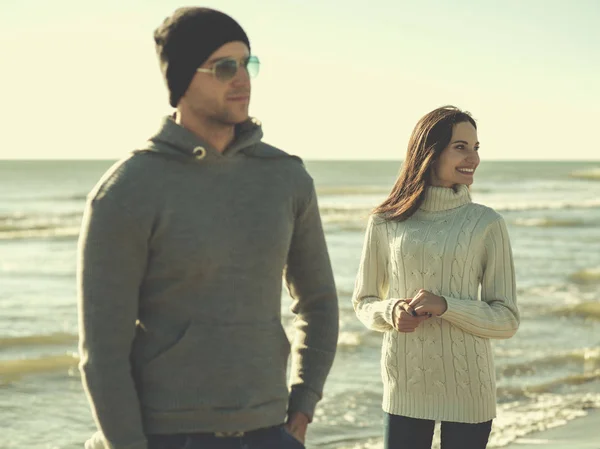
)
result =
(428, 253)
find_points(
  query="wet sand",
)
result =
(581, 433)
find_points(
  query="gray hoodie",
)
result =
(181, 258)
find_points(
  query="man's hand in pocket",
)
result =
(297, 425)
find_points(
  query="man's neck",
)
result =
(219, 136)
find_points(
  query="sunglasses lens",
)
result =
(253, 66)
(226, 69)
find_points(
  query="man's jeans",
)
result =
(272, 438)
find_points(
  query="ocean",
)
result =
(548, 374)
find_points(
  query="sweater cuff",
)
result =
(453, 307)
(303, 400)
(389, 310)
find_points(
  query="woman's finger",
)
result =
(416, 300)
(425, 310)
(407, 327)
(405, 316)
(408, 308)
(420, 308)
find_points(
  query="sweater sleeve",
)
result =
(496, 315)
(311, 284)
(112, 257)
(372, 282)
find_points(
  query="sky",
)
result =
(340, 79)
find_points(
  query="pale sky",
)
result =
(340, 79)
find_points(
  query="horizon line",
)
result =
(304, 159)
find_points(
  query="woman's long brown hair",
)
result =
(431, 135)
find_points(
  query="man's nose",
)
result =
(241, 76)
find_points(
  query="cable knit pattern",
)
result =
(451, 247)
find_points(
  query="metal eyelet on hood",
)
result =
(199, 153)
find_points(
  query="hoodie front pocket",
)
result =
(225, 365)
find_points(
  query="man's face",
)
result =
(217, 101)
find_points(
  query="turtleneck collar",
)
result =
(438, 199)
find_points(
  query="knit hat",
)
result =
(186, 39)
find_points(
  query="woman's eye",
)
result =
(460, 147)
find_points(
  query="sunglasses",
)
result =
(225, 69)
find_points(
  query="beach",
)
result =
(581, 433)
(548, 375)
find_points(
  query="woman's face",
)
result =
(459, 160)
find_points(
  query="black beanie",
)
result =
(185, 40)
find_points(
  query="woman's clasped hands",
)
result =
(409, 313)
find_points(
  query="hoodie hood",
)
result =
(175, 140)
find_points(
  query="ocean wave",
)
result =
(40, 234)
(342, 292)
(353, 190)
(345, 218)
(562, 205)
(354, 217)
(59, 338)
(514, 392)
(74, 197)
(587, 310)
(11, 370)
(520, 418)
(349, 340)
(374, 190)
(588, 358)
(332, 227)
(41, 198)
(25, 226)
(21, 217)
(590, 174)
(549, 222)
(545, 298)
(346, 210)
(587, 276)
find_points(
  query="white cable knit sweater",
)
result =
(443, 371)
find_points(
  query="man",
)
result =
(182, 252)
